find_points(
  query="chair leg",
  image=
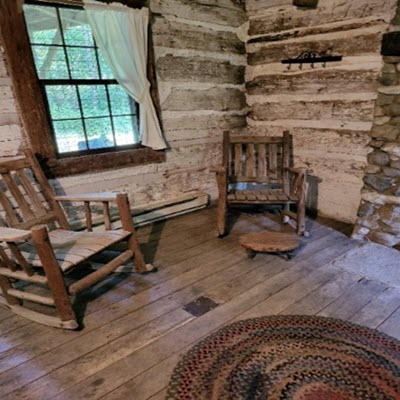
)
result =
(285, 217)
(53, 273)
(221, 217)
(301, 220)
(133, 242)
(5, 286)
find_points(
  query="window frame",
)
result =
(75, 82)
(32, 106)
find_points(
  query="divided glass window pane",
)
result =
(94, 100)
(126, 130)
(106, 72)
(42, 24)
(83, 63)
(70, 136)
(76, 29)
(88, 116)
(100, 133)
(50, 61)
(63, 102)
(121, 103)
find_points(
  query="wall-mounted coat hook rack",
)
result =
(311, 57)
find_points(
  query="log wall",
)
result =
(330, 110)
(200, 72)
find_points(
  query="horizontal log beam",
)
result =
(204, 122)
(222, 12)
(289, 17)
(350, 45)
(315, 82)
(176, 35)
(217, 99)
(196, 69)
(343, 110)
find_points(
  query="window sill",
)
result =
(101, 162)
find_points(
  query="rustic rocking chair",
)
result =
(256, 170)
(31, 253)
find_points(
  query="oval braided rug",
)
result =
(290, 357)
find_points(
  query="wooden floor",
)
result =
(135, 327)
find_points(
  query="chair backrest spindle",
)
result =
(26, 198)
(258, 159)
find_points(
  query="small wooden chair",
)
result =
(256, 170)
(30, 253)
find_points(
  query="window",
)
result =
(89, 112)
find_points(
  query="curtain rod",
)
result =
(66, 2)
(139, 3)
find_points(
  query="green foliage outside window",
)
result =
(87, 107)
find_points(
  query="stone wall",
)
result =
(379, 212)
(329, 110)
(200, 68)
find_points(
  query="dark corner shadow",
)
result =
(150, 248)
(231, 218)
(82, 300)
(312, 201)
(234, 213)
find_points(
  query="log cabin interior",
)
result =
(199, 199)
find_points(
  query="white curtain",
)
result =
(122, 34)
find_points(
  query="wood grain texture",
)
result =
(199, 32)
(216, 98)
(23, 74)
(314, 82)
(319, 96)
(225, 12)
(136, 332)
(290, 18)
(269, 241)
(199, 69)
(364, 43)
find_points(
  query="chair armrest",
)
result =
(13, 235)
(91, 197)
(299, 184)
(106, 197)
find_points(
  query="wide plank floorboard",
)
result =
(135, 327)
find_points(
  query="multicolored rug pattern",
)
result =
(290, 358)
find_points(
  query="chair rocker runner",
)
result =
(256, 170)
(31, 253)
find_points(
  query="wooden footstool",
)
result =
(269, 242)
